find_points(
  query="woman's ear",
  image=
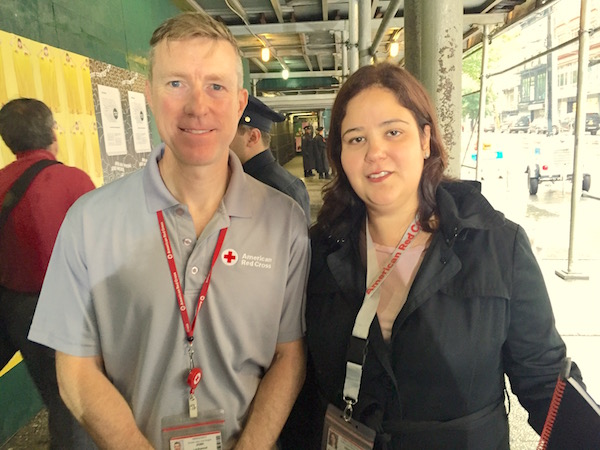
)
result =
(426, 141)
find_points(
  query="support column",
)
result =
(353, 36)
(482, 101)
(364, 33)
(582, 74)
(345, 64)
(433, 43)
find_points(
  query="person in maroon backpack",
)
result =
(26, 241)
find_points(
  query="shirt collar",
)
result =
(235, 202)
(259, 160)
(35, 154)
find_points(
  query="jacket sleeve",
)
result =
(534, 351)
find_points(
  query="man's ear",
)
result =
(254, 136)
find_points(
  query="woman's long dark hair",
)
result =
(342, 208)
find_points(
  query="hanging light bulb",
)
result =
(265, 54)
(285, 74)
(394, 49)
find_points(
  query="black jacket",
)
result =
(478, 309)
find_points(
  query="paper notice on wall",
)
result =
(139, 122)
(113, 126)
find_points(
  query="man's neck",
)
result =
(200, 188)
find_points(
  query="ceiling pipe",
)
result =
(390, 12)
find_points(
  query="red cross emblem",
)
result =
(229, 257)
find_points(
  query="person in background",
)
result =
(175, 293)
(321, 155)
(26, 240)
(251, 145)
(308, 152)
(433, 295)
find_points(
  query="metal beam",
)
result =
(260, 64)
(374, 8)
(389, 15)
(277, 9)
(313, 74)
(303, 27)
(239, 9)
(310, 102)
(305, 51)
(341, 25)
(320, 62)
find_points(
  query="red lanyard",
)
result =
(189, 329)
(411, 232)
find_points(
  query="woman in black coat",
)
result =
(456, 296)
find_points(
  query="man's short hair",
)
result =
(265, 136)
(26, 124)
(189, 25)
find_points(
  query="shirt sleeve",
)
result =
(64, 318)
(292, 325)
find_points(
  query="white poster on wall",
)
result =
(139, 122)
(113, 126)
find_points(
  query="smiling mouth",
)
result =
(193, 131)
(378, 175)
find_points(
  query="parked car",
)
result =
(507, 123)
(540, 126)
(551, 163)
(592, 122)
(521, 124)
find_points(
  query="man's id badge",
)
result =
(342, 434)
(202, 432)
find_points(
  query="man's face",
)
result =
(196, 99)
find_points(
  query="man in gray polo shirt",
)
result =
(174, 295)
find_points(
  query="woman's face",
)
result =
(382, 151)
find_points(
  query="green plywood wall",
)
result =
(112, 31)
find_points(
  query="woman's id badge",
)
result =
(340, 433)
(182, 432)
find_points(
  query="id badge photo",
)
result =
(345, 434)
(199, 433)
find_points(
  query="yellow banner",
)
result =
(62, 80)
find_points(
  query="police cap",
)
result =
(258, 115)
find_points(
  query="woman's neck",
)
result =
(387, 230)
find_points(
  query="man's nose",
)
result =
(197, 103)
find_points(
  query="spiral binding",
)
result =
(552, 412)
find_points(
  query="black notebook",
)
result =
(573, 420)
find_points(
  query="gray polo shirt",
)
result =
(108, 291)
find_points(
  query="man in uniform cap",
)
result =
(308, 152)
(251, 145)
(321, 155)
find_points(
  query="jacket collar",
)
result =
(462, 207)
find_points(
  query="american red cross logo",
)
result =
(229, 257)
